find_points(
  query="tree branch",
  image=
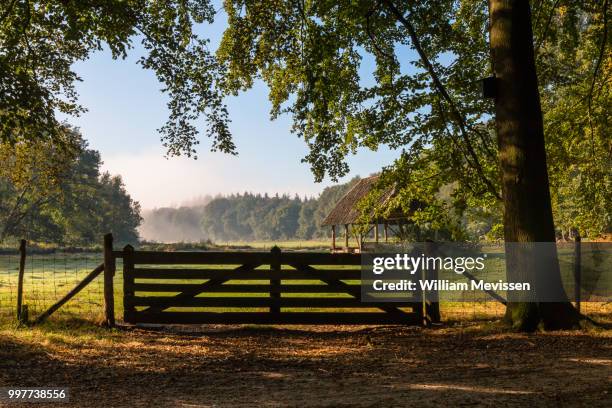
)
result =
(444, 94)
(371, 35)
(602, 48)
(11, 214)
(545, 32)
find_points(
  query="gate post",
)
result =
(577, 271)
(109, 273)
(431, 300)
(128, 283)
(275, 268)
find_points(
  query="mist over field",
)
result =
(242, 217)
(169, 224)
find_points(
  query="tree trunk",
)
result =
(525, 187)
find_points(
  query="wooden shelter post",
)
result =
(376, 232)
(386, 228)
(333, 237)
(346, 237)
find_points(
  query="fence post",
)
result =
(109, 273)
(275, 267)
(21, 314)
(128, 283)
(431, 300)
(577, 271)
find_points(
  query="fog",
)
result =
(175, 224)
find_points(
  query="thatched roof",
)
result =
(347, 212)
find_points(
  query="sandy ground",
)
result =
(233, 366)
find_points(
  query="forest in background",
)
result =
(244, 217)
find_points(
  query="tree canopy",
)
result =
(41, 39)
(406, 75)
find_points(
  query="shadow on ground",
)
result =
(315, 367)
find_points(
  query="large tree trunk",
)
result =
(525, 188)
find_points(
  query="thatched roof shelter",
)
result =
(346, 210)
(346, 213)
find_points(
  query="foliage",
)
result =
(406, 75)
(52, 196)
(322, 56)
(30, 178)
(575, 70)
(41, 39)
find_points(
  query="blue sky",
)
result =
(125, 107)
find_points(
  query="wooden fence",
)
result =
(266, 287)
(252, 287)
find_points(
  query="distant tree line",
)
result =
(59, 195)
(245, 217)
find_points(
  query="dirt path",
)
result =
(315, 367)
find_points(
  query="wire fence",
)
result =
(49, 276)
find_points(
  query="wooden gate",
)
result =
(252, 287)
